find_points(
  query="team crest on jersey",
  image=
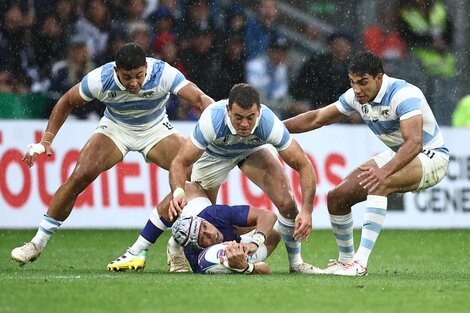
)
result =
(112, 94)
(365, 109)
(386, 113)
(148, 94)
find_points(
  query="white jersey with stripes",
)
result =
(134, 111)
(397, 100)
(215, 134)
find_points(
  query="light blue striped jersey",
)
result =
(135, 111)
(397, 100)
(215, 133)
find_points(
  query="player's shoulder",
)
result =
(215, 111)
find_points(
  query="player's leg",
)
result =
(265, 170)
(98, 155)
(340, 200)
(161, 154)
(410, 178)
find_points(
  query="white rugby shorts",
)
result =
(210, 171)
(434, 163)
(127, 139)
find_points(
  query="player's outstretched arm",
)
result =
(313, 119)
(187, 155)
(297, 159)
(59, 114)
(195, 96)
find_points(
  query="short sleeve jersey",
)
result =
(224, 218)
(215, 134)
(135, 111)
(397, 100)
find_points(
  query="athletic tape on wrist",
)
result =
(36, 148)
(179, 192)
(258, 238)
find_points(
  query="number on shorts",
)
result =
(168, 125)
(429, 153)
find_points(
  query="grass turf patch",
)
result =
(409, 271)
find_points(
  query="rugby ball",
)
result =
(209, 260)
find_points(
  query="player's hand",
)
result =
(303, 226)
(249, 248)
(35, 149)
(371, 177)
(176, 207)
(235, 256)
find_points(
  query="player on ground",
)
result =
(135, 90)
(218, 223)
(399, 115)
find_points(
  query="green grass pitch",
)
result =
(409, 271)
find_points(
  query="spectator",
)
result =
(199, 60)
(67, 12)
(8, 84)
(426, 27)
(261, 30)
(117, 38)
(196, 19)
(385, 40)
(49, 44)
(163, 24)
(140, 34)
(314, 81)
(232, 66)
(236, 20)
(16, 53)
(69, 72)
(95, 25)
(134, 10)
(177, 108)
(269, 74)
(461, 115)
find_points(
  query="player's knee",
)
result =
(82, 178)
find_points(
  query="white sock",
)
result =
(173, 247)
(376, 208)
(293, 247)
(140, 244)
(47, 227)
(342, 227)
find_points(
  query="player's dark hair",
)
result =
(244, 95)
(365, 62)
(130, 56)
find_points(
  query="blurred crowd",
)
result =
(47, 46)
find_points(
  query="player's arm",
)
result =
(412, 132)
(297, 159)
(179, 170)
(238, 263)
(263, 221)
(313, 119)
(59, 114)
(195, 96)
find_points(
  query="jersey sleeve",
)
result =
(91, 86)
(203, 133)
(407, 103)
(274, 130)
(172, 79)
